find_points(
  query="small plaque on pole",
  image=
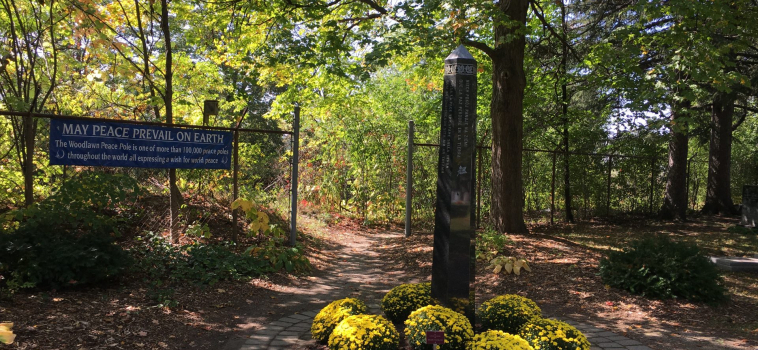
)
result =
(210, 107)
(435, 337)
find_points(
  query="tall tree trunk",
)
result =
(564, 110)
(175, 196)
(718, 196)
(30, 130)
(506, 109)
(675, 200)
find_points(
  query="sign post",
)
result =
(453, 263)
(435, 338)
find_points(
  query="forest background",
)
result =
(666, 87)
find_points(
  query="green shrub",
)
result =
(490, 243)
(331, 315)
(277, 251)
(50, 258)
(90, 202)
(499, 340)
(508, 313)
(364, 332)
(400, 301)
(457, 328)
(546, 334)
(742, 230)
(660, 268)
(199, 263)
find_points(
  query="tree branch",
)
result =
(479, 45)
(539, 13)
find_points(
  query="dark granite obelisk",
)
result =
(453, 261)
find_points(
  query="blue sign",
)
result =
(74, 142)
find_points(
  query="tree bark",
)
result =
(675, 199)
(174, 195)
(506, 109)
(718, 196)
(564, 110)
(30, 130)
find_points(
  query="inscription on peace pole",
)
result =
(452, 267)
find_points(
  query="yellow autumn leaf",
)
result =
(509, 267)
(526, 266)
(6, 335)
(263, 218)
(498, 268)
(244, 204)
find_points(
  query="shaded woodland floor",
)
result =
(563, 281)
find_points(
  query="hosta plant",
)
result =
(364, 332)
(509, 264)
(400, 301)
(499, 340)
(508, 313)
(6, 333)
(457, 328)
(546, 334)
(331, 315)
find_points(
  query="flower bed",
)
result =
(509, 322)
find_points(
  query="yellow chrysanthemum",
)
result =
(364, 332)
(549, 334)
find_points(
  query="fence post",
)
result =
(608, 193)
(235, 183)
(689, 163)
(294, 182)
(479, 191)
(552, 192)
(409, 180)
(236, 170)
(652, 182)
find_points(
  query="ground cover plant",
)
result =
(657, 267)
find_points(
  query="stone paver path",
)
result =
(360, 272)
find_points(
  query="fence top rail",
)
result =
(137, 122)
(556, 152)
